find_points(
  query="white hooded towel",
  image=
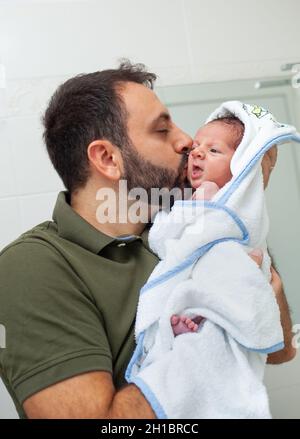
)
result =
(205, 270)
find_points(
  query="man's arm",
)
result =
(289, 352)
(90, 395)
(93, 395)
(61, 334)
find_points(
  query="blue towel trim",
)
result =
(151, 398)
(270, 350)
(202, 250)
(136, 355)
(253, 161)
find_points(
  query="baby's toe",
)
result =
(188, 321)
(174, 319)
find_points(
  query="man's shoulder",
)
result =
(40, 237)
(34, 265)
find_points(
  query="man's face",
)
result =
(209, 160)
(157, 157)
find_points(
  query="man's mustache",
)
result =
(183, 163)
(182, 170)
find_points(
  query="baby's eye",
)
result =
(214, 150)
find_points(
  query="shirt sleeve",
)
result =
(54, 329)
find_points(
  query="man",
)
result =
(69, 287)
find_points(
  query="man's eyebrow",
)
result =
(162, 116)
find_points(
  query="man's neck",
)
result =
(85, 204)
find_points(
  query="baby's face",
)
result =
(209, 159)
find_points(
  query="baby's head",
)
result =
(213, 148)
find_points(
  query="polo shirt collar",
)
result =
(73, 227)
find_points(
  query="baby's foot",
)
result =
(206, 191)
(183, 324)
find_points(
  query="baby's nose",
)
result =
(197, 151)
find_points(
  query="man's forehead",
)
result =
(142, 102)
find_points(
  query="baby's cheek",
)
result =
(224, 177)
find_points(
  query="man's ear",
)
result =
(105, 158)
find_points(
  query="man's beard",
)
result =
(141, 173)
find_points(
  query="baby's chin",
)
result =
(195, 183)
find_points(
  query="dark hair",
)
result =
(86, 108)
(238, 127)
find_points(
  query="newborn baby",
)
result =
(208, 171)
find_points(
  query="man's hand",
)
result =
(257, 256)
(288, 352)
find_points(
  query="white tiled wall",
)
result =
(241, 39)
(10, 221)
(7, 176)
(42, 42)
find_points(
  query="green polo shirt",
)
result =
(68, 299)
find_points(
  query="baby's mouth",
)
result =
(196, 171)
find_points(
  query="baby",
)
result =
(208, 171)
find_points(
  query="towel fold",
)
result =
(205, 270)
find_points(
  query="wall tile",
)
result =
(3, 102)
(28, 97)
(35, 209)
(7, 176)
(53, 39)
(7, 408)
(285, 402)
(10, 225)
(34, 171)
(259, 36)
(283, 375)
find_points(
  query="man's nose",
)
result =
(184, 143)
